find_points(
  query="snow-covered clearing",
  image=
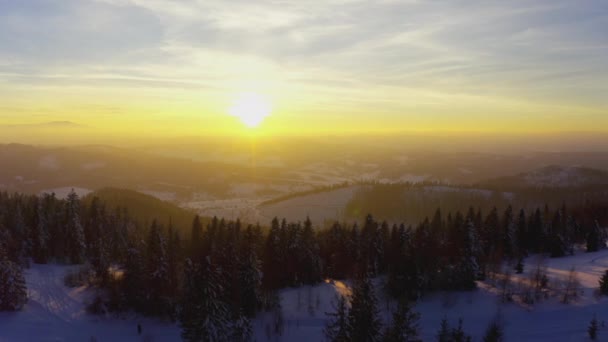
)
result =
(55, 312)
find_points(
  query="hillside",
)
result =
(145, 208)
(553, 176)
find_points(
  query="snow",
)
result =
(548, 320)
(55, 312)
(320, 207)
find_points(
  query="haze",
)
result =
(113, 71)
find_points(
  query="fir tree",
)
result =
(204, 316)
(196, 236)
(404, 326)
(337, 328)
(604, 284)
(75, 233)
(593, 329)
(13, 292)
(595, 239)
(157, 271)
(443, 335)
(363, 317)
(40, 235)
(250, 279)
(494, 333)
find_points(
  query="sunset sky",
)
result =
(151, 67)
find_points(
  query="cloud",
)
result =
(380, 55)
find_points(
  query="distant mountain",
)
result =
(553, 176)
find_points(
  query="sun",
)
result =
(251, 108)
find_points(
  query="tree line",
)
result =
(221, 274)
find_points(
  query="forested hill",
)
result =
(144, 208)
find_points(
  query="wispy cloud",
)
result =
(384, 56)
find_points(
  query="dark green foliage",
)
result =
(363, 317)
(604, 284)
(519, 267)
(448, 334)
(404, 326)
(204, 316)
(13, 292)
(337, 328)
(595, 238)
(494, 332)
(593, 328)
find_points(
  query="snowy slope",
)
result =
(554, 176)
(549, 320)
(55, 312)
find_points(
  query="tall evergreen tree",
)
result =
(204, 316)
(337, 328)
(404, 326)
(13, 292)
(74, 231)
(363, 317)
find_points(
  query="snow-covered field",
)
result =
(57, 313)
(328, 205)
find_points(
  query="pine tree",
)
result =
(593, 329)
(242, 330)
(204, 316)
(75, 233)
(337, 328)
(251, 282)
(494, 333)
(40, 235)
(443, 335)
(363, 317)
(404, 327)
(604, 284)
(458, 334)
(157, 270)
(595, 239)
(196, 236)
(13, 292)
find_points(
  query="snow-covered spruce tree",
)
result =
(337, 328)
(447, 334)
(593, 329)
(604, 284)
(494, 332)
(310, 259)
(404, 326)
(157, 271)
(40, 234)
(204, 316)
(75, 233)
(13, 292)
(20, 246)
(458, 334)
(363, 317)
(250, 279)
(443, 335)
(596, 239)
(468, 268)
(242, 330)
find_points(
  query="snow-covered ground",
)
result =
(57, 313)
